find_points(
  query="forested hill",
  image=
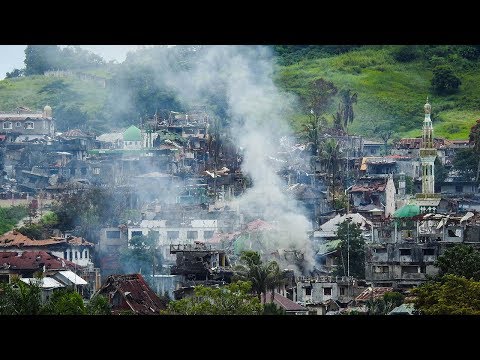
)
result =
(391, 84)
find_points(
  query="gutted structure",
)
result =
(131, 294)
(200, 262)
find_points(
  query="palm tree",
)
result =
(263, 277)
(275, 278)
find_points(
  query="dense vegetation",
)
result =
(10, 216)
(18, 298)
(391, 84)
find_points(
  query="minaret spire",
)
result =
(428, 153)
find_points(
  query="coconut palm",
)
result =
(263, 277)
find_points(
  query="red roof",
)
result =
(135, 295)
(33, 260)
(219, 237)
(15, 239)
(284, 303)
(259, 225)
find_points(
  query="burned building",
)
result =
(131, 294)
(200, 264)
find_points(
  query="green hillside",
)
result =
(389, 91)
(392, 91)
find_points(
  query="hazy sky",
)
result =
(12, 56)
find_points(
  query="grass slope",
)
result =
(390, 91)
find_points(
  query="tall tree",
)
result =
(352, 250)
(329, 154)
(465, 162)
(40, 58)
(318, 100)
(475, 139)
(141, 256)
(263, 277)
(348, 99)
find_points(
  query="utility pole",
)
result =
(348, 248)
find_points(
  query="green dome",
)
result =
(132, 134)
(407, 211)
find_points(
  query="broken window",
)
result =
(409, 269)
(428, 251)
(327, 291)
(192, 235)
(380, 269)
(172, 235)
(113, 234)
(308, 291)
(207, 234)
(404, 252)
(454, 232)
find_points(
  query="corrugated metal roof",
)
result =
(72, 277)
(45, 283)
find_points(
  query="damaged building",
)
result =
(407, 257)
(200, 264)
(131, 294)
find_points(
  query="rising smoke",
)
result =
(258, 110)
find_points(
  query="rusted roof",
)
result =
(373, 293)
(136, 294)
(283, 302)
(14, 238)
(33, 260)
(74, 133)
(380, 187)
(259, 225)
(219, 237)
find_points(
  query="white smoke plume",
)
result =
(258, 110)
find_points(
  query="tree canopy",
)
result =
(452, 295)
(460, 260)
(232, 299)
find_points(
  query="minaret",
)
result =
(428, 153)
(427, 200)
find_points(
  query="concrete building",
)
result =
(25, 124)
